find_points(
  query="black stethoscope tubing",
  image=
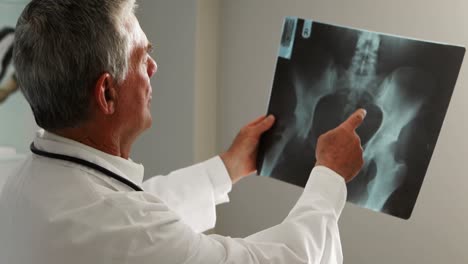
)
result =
(86, 164)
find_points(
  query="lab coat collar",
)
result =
(53, 143)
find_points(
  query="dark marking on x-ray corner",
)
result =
(330, 71)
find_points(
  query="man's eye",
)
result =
(146, 59)
(150, 49)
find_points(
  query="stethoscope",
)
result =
(86, 164)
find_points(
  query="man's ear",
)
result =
(105, 94)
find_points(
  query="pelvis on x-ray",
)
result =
(324, 73)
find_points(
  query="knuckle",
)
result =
(358, 139)
(358, 117)
(322, 137)
(244, 130)
(250, 132)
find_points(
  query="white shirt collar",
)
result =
(53, 143)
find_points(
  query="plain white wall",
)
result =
(206, 68)
(17, 125)
(437, 232)
(170, 26)
(185, 36)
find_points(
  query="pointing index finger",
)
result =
(354, 120)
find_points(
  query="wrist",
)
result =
(230, 166)
(335, 169)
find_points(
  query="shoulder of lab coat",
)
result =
(194, 192)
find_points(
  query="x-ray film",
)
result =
(325, 72)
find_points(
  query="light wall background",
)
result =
(184, 106)
(244, 42)
(437, 231)
(17, 126)
(170, 26)
(216, 62)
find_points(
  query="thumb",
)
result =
(264, 125)
(354, 120)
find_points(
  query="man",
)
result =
(85, 69)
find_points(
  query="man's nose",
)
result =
(153, 67)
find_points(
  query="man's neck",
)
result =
(99, 138)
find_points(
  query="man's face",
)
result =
(134, 94)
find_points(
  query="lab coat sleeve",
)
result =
(309, 234)
(194, 192)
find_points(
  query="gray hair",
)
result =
(61, 49)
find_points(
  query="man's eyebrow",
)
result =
(149, 47)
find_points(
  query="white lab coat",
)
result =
(9, 162)
(53, 211)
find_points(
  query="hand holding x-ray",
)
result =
(240, 158)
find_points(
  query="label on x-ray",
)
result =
(287, 38)
(307, 29)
